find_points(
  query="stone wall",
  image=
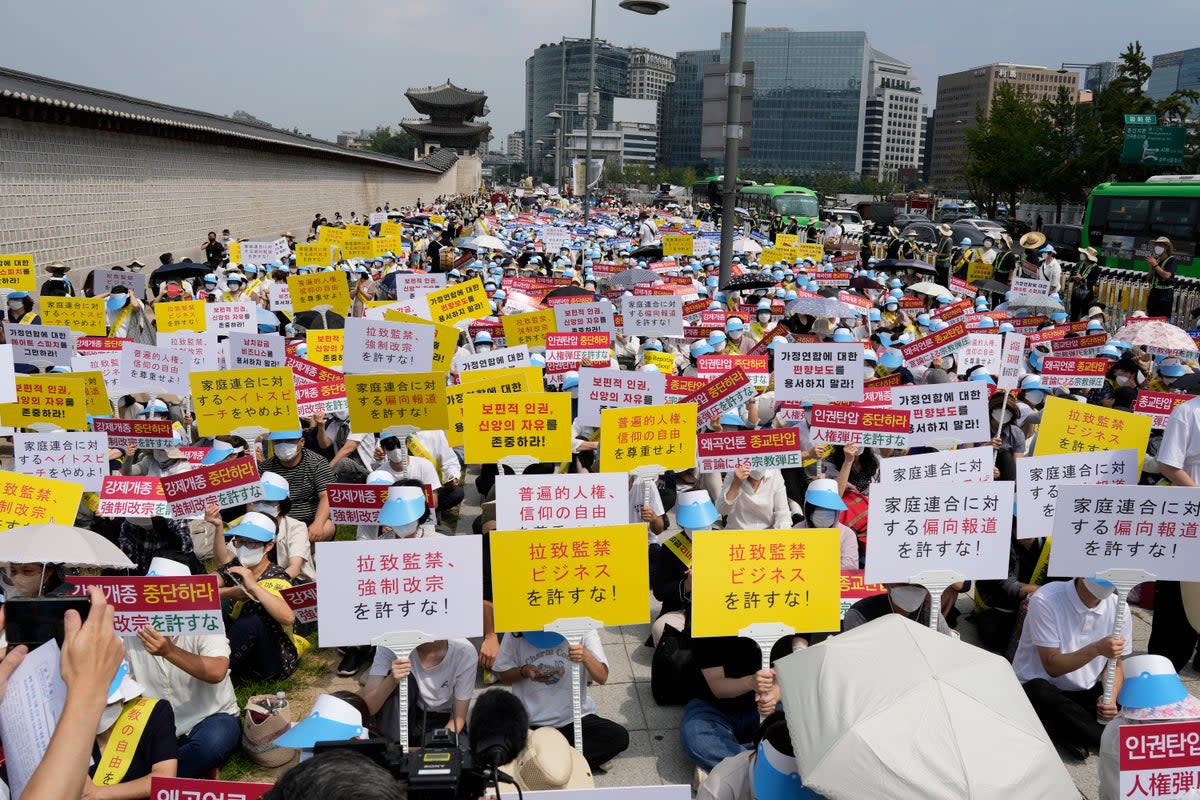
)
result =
(93, 198)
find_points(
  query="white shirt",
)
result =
(292, 541)
(646, 232)
(1051, 271)
(452, 679)
(439, 447)
(420, 469)
(1180, 446)
(637, 497)
(1058, 618)
(764, 509)
(192, 699)
(547, 703)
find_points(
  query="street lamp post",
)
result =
(558, 153)
(587, 121)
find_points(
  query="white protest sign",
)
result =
(982, 349)
(1030, 286)
(1153, 528)
(819, 372)
(583, 317)
(230, 317)
(1040, 478)
(107, 363)
(586, 500)
(264, 252)
(969, 465)
(77, 457)
(230, 483)
(503, 358)
(8, 385)
(387, 347)
(256, 350)
(122, 496)
(377, 217)
(656, 315)
(418, 284)
(160, 370)
(201, 347)
(103, 281)
(610, 388)
(915, 527)
(39, 344)
(29, 712)
(1012, 356)
(279, 298)
(554, 238)
(945, 412)
(429, 584)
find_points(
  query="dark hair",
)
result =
(774, 730)
(419, 485)
(868, 463)
(1125, 364)
(337, 773)
(360, 705)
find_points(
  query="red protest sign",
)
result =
(912, 303)
(99, 344)
(310, 371)
(959, 286)
(303, 600)
(1057, 332)
(1079, 373)
(774, 448)
(755, 367)
(952, 311)
(866, 426)
(1079, 345)
(764, 344)
(1158, 405)
(173, 606)
(132, 497)
(570, 351)
(327, 397)
(854, 300)
(146, 434)
(228, 484)
(727, 391)
(1159, 759)
(855, 587)
(878, 392)
(832, 278)
(681, 386)
(942, 343)
(355, 503)
(196, 789)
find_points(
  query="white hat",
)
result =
(549, 762)
(123, 688)
(331, 719)
(167, 568)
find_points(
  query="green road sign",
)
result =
(1154, 145)
(1141, 119)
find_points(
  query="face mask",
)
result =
(108, 717)
(891, 306)
(733, 335)
(16, 305)
(395, 456)
(764, 316)
(1159, 250)
(868, 372)
(1098, 590)
(398, 531)
(482, 348)
(1000, 415)
(1035, 398)
(250, 556)
(270, 509)
(823, 518)
(20, 585)
(1122, 380)
(907, 598)
(286, 451)
(756, 474)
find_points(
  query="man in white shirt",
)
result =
(647, 233)
(1065, 645)
(1051, 270)
(443, 672)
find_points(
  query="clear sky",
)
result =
(332, 65)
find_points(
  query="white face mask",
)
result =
(395, 456)
(108, 717)
(907, 598)
(1035, 398)
(398, 531)
(270, 509)
(286, 451)
(16, 305)
(1098, 590)
(733, 335)
(756, 474)
(482, 348)
(868, 372)
(823, 518)
(1122, 380)
(1000, 415)
(250, 556)
(1159, 249)
(20, 585)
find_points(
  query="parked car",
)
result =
(850, 219)
(1065, 239)
(928, 235)
(926, 232)
(987, 227)
(908, 217)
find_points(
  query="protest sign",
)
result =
(945, 413)
(982, 349)
(529, 328)
(17, 274)
(878, 392)
(122, 496)
(916, 527)
(652, 316)
(837, 278)
(279, 298)
(609, 388)
(144, 434)
(676, 244)
(58, 400)
(378, 402)
(226, 401)
(540, 576)
(30, 500)
(79, 457)
(954, 311)
(313, 254)
(854, 588)
(584, 317)
(325, 347)
(1153, 528)
(100, 344)
(39, 344)
(962, 288)
(265, 252)
(355, 503)
(445, 338)
(83, 314)
(1159, 760)
(459, 303)
(185, 315)
(1158, 406)
(321, 398)
(819, 372)
(749, 577)
(503, 358)
(535, 424)
(935, 345)
(663, 362)
(680, 386)
(756, 368)
(95, 392)
(1030, 286)
(173, 606)
(433, 585)
(662, 436)
(108, 364)
(1039, 481)
(773, 448)
(1071, 427)
(1011, 361)
(302, 600)
(198, 789)
(230, 317)
(969, 465)
(554, 239)
(492, 381)
(328, 233)
(230, 483)
(570, 351)
(305, 371)
(729, 391)
(584, 500)
(248, 351)
(979, 271)
(200, 347)
(1079, 346)
(418, 284)
(868, 427)
(355, 231)
(387, 347)
(158, 370)
(319, 290)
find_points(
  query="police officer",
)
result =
(943, 253)
(1162, 279)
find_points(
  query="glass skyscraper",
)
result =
(1173, 72)
(682, 106)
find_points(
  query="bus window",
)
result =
(1121, 216)
(1174, 217)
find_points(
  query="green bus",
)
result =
(1122, 219)
(790, 202)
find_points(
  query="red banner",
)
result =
(228, 484)
(866, 426)
(174, 606)
(1081, 373)
(942, 343)
(774, 448)
(147, 434)
(355, 503)
(725, 392)
(1158, 405)
(197, 789)
(122, 496)
(310, 371)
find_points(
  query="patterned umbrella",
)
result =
(1156, 337)
(820, 307)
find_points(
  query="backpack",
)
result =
(855, 515)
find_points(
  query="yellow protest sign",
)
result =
(83, 314)
(979, 271)
(769, 255)
(529, 328)
(378, 402)
(235, 252)
(681, 546)
(325, 347)
(227, 400)
(186, 315)
(664, 361)
(57, 399)
(786, 240)
(387, 229)
(437, 219)
(662, 436)
(319, 289)
(32, 500)
(786, 252)
(541, 576)
(1071, 427)
(487, 381)
(533, 424)
(357, 232)
(331, 235)
(356, 248)
(16, 273)
(445, 338)
(458, 303)
(790, 576)
(382, 245)
(313, 254)
(95, 391)
(677, 244)
(812, 250)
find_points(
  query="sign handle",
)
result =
(1124, 580)
(647, 474)
(573, 629)
(402, 643)
(936, 582)
(518, 464)
(765, 635)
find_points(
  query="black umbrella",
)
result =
(916, 266)
(570, 291)
(990, 285)
(648, 251)
(743, 283)
(180, 271)
(419, 219)
(863, 283)
(1189, 383)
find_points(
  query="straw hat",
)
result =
(1090, 254)
(550, 762)
(944, 229)
(1033, 240)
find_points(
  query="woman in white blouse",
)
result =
(754, 500)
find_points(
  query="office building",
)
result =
(894, 131)
(514, 145)
(650, 74)
(1097, 77)
(682, 110)
(1173, 72)
(962, 95)
(632, 138)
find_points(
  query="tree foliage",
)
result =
(399, 143)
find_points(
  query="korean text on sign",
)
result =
(526, 502)
(492, 381)
(146, 434)
(302, 599)
(433, 585)
(946, 412)
(819, 372)
(854, 588)
(1158, 406)
(226, 401)
(458, 303)
(535, 424)
(868, 427)
(728, 391)
(1078, 373)
(540, 576)
(609, 388)
(228, 484)
(16, 273)
(1160, 760)
(122, 496)
(198, 789)
(663, 436)
(789, 577)
(942, 343)
(173, 606)
(774, 448)
(39, 344)
(1040, 479)
(355, 503)
(58, 400)
(328, 398)
(378, 402)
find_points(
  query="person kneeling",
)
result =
(441, 677)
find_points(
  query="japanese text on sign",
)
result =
(1039, 480)
(173, 606)
(526, 502)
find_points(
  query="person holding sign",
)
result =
(537, 665)
(754, 499)
(443, 672)
(307, 475)
(906, 599)
(125, 316)
(20, 309)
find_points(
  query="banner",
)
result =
(1079, 346)
(917, 527)
(302, 600)
(251, 351)
(982, 349)
(1159, 760)
(660, 316)
(969, 465)
(945, 413)
(30, 500)
(230, 317)
(1071, 427)
(17, 273)
(379, 402)
(610, 388)
(355, 503)
(323, 398)
(157, 370)
(227, 484)
(582, 500)
(1040, 479)
(78, 457)
(535, 424)
(773, 448)
(570, 351)
(943, 343)
(173, 606)
(433, 585)
(662, 436)
(39, 344)
(58, 400)
(461, 302)
(325, 347)
(83, 314)
(198, 789)
(730, 391)
(539, 576)
(1153, 528)
(676, 244)
(1158, 406)
(584, 317)
(842, 425)
(790, 577)
(226, 401)
(757, 368)
(529, 328)
(144, 434)
(324, 290)
(819, 372)
(854, 588)
(122, 496)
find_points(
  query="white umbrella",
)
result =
(930, 288)
(892, 709)
(486, 242)
(51, 543)
(745, 244)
